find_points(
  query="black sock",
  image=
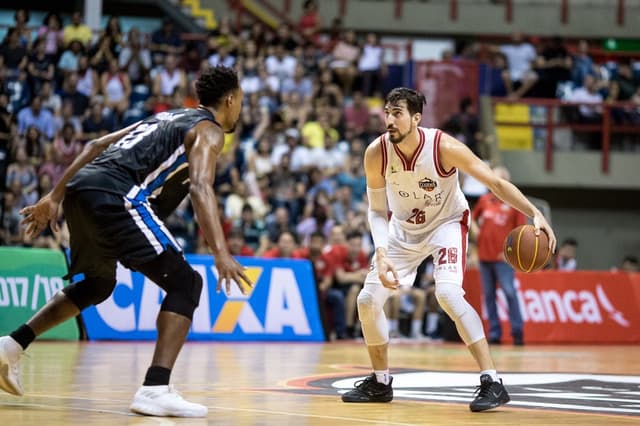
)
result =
(157, 376)
(24, 335)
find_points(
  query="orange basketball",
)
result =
(526, 251)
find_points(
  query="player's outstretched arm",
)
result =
(378, 213)
(45, 210)
(204, 143)
(454, 153)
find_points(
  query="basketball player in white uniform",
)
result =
(413, 173)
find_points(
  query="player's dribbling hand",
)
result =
(539, 222)
(386, 272)
(230, 270)
(38, 215)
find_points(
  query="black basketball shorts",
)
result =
(106, 228)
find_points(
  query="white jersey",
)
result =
(421, 195)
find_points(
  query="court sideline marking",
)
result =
(211, 407)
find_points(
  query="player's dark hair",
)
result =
(415, 100)
(247, 208)
(570, 242)
(465, 103)
(317, 234)
(353, 234)
(215, 83)
(293, 235)
(235, 233)
(27, 16)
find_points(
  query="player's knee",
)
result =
(183, 288)
(174, 275)
(90, 291)
(368, 309)
(451, 298)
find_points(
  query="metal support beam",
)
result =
(508, 10)
(564, 11)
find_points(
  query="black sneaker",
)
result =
(369, 390)
(490, 395)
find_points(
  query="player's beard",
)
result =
(396, 137)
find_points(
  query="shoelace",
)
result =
(364, 383)
(483, 389)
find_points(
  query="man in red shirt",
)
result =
(323, 271)
(322, 264)
(351, 266)
(285, 247)
(492, 221)
(236, 244)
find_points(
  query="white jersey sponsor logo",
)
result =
(421, 195)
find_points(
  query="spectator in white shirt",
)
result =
(588, 93)
(222, 57)
(280, 64)
(520, 56)
(298, 84)
(370, 65)
(299, 155)
(135, 58)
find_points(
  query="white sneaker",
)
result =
(164, 401)
(10, 352)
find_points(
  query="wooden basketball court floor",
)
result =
(298, 384)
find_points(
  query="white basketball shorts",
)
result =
(447, 244)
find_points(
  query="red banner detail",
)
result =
(445, 83)
(569, 307)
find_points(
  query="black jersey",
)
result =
(149, 162)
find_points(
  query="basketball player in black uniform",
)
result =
(107, 196)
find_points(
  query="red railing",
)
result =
(606, 127)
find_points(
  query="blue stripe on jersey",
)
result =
(141, 206)
(160, 180)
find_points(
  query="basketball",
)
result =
(525, 251)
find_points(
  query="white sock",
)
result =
(432, 322)
(492, 373)
(415, 327)
(393, 325)
(382, 376)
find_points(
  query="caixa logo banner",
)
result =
(282, 306)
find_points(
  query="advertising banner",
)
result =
(513, 137)
(282, 306)
(569, 307)
(28, 279)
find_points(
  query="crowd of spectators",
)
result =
(529, 68)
